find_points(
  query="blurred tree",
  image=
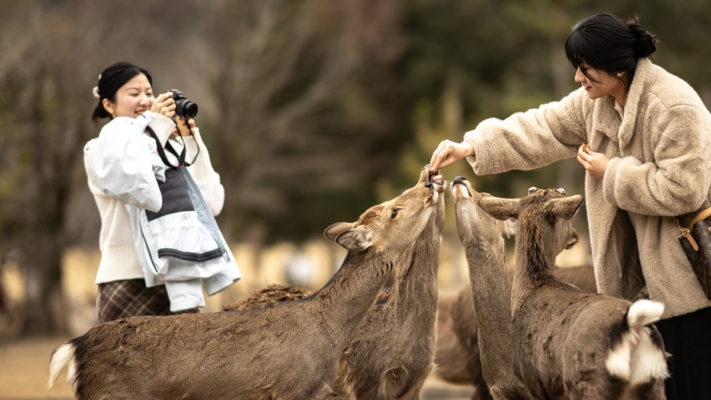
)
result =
(40, 143)
(303, 98)
(52, 54)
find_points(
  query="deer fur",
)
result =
(569, 344)
(283, 350)
(378, 364)
(392, 352)
(481, 237)
(457, 359)
(270, 294)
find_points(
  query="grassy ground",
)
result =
(24, 371)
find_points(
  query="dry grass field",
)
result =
(24, 366)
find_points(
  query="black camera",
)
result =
(183, 107)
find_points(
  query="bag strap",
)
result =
(685, 232)
(702, 215)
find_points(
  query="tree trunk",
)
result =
(44, 310)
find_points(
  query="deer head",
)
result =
(392, 224)
(549, 206)
(466, 200)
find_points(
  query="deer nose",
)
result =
(459, 179)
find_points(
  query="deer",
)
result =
(568, 344)
(392, 351)
(282, 350)
(457, 355)
(377, 363)
(482, 238)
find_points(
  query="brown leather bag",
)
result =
(695, 239)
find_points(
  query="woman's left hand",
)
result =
(184, 130)
(594, 163)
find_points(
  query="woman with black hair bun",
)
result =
(643, 136)
(157, 193)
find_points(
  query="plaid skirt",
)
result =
(129, 298)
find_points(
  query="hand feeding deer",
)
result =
(568, 344)
(285, 350)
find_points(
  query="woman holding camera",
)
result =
(126, 168)
(643, 136)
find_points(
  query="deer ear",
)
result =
(567, 207)
(336, 229)
(499, 208)
(354, 239)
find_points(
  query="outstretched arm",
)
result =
(448, 152)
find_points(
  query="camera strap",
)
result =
(169, 147)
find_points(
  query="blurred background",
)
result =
(312, 110)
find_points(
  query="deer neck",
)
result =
(535, 258)
(414, 293)
(343, 301)
(487, 276)
(491, 295)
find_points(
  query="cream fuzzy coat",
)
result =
(659, 167)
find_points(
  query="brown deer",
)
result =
(378, 363)
(283, 350)
(457, 359)
(392, 352)
(568, 344)
(481, 237)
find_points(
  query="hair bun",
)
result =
(645, 45)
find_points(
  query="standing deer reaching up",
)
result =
(481, 237)
(378, 363)
(569, 344)
(285, 350)
(457, 353)
(392, 352)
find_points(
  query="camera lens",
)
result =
(183, 107)
(186, 109)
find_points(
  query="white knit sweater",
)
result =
(118, 255)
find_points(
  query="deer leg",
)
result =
(481, 389)
(414, 392)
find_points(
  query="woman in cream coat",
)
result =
(643, 135)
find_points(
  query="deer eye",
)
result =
(393, 214)
(532, 189)
(560, 191)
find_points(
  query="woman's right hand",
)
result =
(164, 105)
(448, 152)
